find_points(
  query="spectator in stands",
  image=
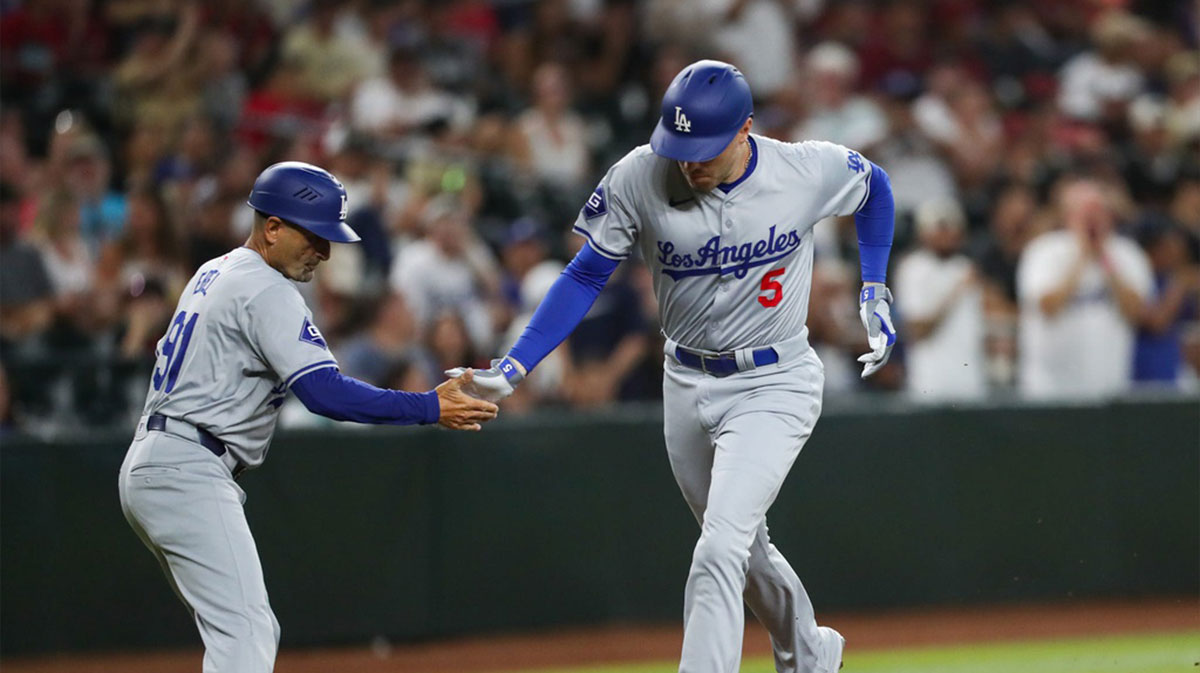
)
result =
(1175, 302)
(390, 339)
(375, 198)
(69, 264)
(1182, 114)
(450, 269)
(556, 149)
(916, 166)
(1097, 84)
(26, 292)
(837, 113)
(156, 81)
(328, 64)
(898, 45)
(968, 131)
(941, 304)
(446, 342)
(141, 275)
(102, 210)
(403, 101)
(280, 110)
(833, 322)
(1082, 291)
(1013, 222)
(223, 87)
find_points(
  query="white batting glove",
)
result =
(876, 314)
(492, 384)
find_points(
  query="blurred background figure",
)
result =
(129, 130)
(836, 112)
(1082, 291)
(1172, 307)
(941, 304)
(450, 270)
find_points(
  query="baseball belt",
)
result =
(199, 435)
(724, 364)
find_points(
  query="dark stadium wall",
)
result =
(575, 519)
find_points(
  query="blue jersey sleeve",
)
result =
(567, 302)
(875, 224)
(329, 393)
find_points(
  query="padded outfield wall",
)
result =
(574, 519)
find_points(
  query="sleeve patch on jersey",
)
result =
(854, 162)
(596, 204)
(310, 334)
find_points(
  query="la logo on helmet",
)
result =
(345, 207)
(681, 121)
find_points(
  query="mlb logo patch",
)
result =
(310, 334)
(596, 205)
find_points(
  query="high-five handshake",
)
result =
(492, 384)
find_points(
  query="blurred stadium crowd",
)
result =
(468, 134)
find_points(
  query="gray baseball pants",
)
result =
(731, 442)
(183, 503)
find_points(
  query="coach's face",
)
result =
(294, 251)
(704, 176)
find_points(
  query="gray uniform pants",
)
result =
(731, 442)
(182, 502)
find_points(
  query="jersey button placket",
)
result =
(726, 233)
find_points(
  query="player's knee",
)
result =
(720, 552)
(257, 637)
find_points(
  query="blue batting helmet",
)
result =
(306, 196)
(702, 111)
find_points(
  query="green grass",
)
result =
(1156, 653)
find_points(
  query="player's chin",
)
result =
(701, 184)
(304, 274)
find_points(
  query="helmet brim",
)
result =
(336, 232)
(697, 148)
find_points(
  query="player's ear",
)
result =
(271, 228)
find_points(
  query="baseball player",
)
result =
(724, 220)
(241, 338)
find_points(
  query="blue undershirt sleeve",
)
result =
(329, 393)
(875, 223)
(568, 300)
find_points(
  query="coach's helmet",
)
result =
(702, 111)
(306, 196)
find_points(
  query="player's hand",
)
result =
(876, 313)
(460, 411)
(492, 384)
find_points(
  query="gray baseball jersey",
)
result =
(732, 269)
(240, 336)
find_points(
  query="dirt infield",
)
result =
(643, 643)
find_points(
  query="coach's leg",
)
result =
(191, 512)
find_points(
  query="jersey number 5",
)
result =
(174, 347)
(769, 284)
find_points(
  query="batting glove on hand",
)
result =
(876, 314)
(492, 384)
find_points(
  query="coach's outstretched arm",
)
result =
(329, 393)
(875, 224)
(567, 302)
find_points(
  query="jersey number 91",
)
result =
(174, 347)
